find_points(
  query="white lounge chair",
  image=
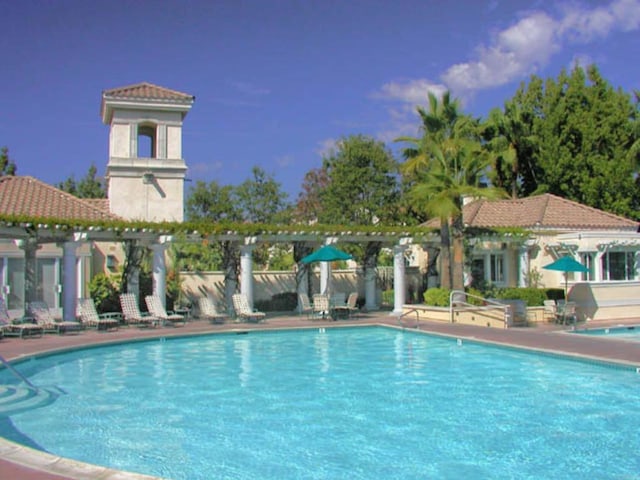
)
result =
(209, 312)
(320, 306)
(131, 312)
(155, 307)
(304, 305)
(244, 311)
(40, 312)
(16, 328)
(91, 318)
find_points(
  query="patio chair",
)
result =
(352, 304)
(155, 307)
(320, 306)
(208, 311)
(90, 317)
(41, 313)
(567, 315)
(550, 310)
(131, 313)
(16, 328)
(304, 305)
(244, 311)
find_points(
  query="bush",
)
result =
(531, 296)
(437, 297)
(388, 297)
(280, 302)
(105, 291)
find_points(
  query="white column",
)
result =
(523, 266)
(370, 288)
(399, 294)
(70, 276)
(159, 272)
(70, 280)
(325, 277)
(246, 270)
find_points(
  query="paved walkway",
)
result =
(17, 462)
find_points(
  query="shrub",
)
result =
(387, 297)
(280, 302)
(105, 291)
(531, 296)
(438, 297)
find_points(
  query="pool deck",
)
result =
(25, 464)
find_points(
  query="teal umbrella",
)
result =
(566, 264)
(328, 253)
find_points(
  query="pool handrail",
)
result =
(455, 300)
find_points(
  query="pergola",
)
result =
(29, 233)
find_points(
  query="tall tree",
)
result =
(511, 143)
(261, 198)
(445, 165)
(308, 206)
(362, 184)
(585, 132)
(7, 166)
(89, 186)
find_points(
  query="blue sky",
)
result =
(278, 82)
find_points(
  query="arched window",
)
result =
(147, 141)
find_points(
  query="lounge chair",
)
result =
(304, 305)
(41, 313)
(244, 311)
(90, 317)
(550, 310)
(16, 328)
(352, 304)
(209, 312)
(131, 312)
(155, 307)
(320, 306)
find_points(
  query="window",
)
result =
(588, 259)
(488, 268)
(619, 265)
(146, 141)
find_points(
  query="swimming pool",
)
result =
(361, 403)
(622, 332)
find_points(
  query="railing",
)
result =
(17, 373)
(413, 310)
(458, 298)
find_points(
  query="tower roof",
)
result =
(144, 95)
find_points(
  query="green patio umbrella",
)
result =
(328, 253)
(566, 264)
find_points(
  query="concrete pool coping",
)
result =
(18, 461)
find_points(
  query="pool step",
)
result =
(20, 398)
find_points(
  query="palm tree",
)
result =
(446, 165)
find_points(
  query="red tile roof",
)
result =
(29, 196)
(545, 211)
(145, 91)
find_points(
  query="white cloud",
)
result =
(284, 161)
(326, 147)
(583, 25)
(414, 92)
(516, 51)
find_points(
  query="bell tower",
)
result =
(146, 171)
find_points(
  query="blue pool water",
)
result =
(630, 333)
(362, 403)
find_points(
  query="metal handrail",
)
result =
(491, 303)
(18, 374)
(412, 310)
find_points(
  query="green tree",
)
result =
(511, 143)
(362, 185)
(261, 199)
(586, 136)
(7, 166)
(445, 165)
(89, 186)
